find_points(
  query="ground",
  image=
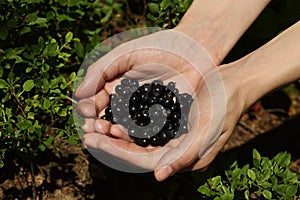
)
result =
(69, 172)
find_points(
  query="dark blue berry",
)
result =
(142, 141)
(125, 82)
(157, 90)
(133, 83)
(118, 89)
(108, 111)
(105, 117)
(157, 82)
(113, 97)
(126, 93)
(131, 104)
(134, 99)
(171, 85)
(145, 97)
(175, 91)
(132, 132)
(145, 89)
(152, 100)
(132, 109)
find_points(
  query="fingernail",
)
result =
(83, 139)
(164, 172)
(78, 89)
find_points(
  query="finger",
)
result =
(86, 107)
(89, 107)
(166, 170)
(101, 71)
(102, 126)
(204, 162)
(139, 156)
(120, 132)
(184, 154)
(100, 101)
(88, 126)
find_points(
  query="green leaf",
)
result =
(246, 194)
(151, 17)
(283, 159)
(72, 3)
(45, 85)
(267, 194)
(103, 48)
(24, 124)
(62, 2)
(63, 112)
(63, 17)
(256, 158)
(26, 29)
(3, 32)
(72, 76)
(69, 36)
(266, 163)
(79, 49)
(251, 174)
(28, 85)
(42, 147)
(154, 8)
(30, 115)
(3, 84)
(73, 139)
(216, 180)
(204, 190)
(51, 49)
(13, 54)
(106, 17)
(46, 103)
(164, 4)
(227, 196)
(48, 141)
(291, 190)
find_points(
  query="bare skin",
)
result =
(273, 65)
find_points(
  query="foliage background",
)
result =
(43, 43)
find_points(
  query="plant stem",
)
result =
(33, 186)
(72, 100)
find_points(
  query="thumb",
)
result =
(182, 155)
(178, 157)
(106, 68)
(168, 166)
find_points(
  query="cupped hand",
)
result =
(167, 56)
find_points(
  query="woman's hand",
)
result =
(175, 58)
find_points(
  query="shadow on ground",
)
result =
(71, 176)
(119, 185)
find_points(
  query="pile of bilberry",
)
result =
(152, 113)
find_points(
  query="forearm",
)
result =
(218, 24)
(271, 66)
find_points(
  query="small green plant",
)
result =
(42, 45)
(167, 13)
(266, 179)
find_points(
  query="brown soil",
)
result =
(69, 172)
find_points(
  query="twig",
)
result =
(33, 186)
(72, 100)
(276, 110)
(246, 127)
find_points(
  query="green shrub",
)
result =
(42, 45)
(266, 179)
(167, 13)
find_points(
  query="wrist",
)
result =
(270, 67)
(218, 25)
